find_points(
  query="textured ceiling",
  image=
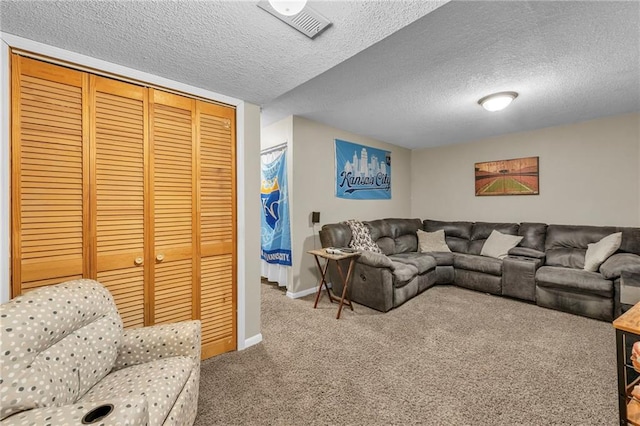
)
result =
(229, 47)
(569, 61)
(405, 72)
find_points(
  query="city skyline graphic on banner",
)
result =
(362, 172)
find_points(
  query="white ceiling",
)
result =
(405, 72)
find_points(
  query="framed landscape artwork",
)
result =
(508, 177)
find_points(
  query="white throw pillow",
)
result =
(598, 252)
(432, 241)
(499, 244)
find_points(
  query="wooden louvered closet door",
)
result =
(118, 143)
(128, 185)
(174, 220)
(216, 126)
(49, 175)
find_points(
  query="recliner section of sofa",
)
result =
(563, 284)
(545, 268)
(378, 284)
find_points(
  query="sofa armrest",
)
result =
(132, 411)
(526, 252)
(375, 260)
(140, 345)
(613, 267)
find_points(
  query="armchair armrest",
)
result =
(141, 345)
(526, 252)
(131, 411)
(375, 260)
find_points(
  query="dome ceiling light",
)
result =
(297, 14)
(288, 8)
(497, 101)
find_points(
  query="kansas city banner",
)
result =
(362, 172)
(276, 230)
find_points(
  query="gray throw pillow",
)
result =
(432, 241)
(499, 244)
(598, 252)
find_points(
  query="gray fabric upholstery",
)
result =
(526, 252)
(478, 281)
(630, 240)
(566, 245)
(404, 293)
(443, 258)
(445, 274)
(481, 231)
(534, 235)
(519, 277)
(457, 234)
(375, 276)
(548, 263)
(376, 260)
(427, 280)
(422, 261)
(575, 280)
(612, 267)
(588, 305)
(335, 235)
(471, 262)
(403, 273)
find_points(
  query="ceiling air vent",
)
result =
(308, 21)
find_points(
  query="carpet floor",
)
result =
(449, 356)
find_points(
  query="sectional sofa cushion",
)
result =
(534, 235)
(574, 280)
(481, 231)
(471, 262)
(403, 274)
(442, 258)
(377, 260)
(566, 245)
(598, 252)
(499, 244)
(422, 262)
(457, 234)
(395, 235)
(612, 267)
(432, 241)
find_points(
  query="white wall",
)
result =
(313, 189)
(589, 175)
(248, 220)
(248, 179)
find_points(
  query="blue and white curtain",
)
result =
(275, 226)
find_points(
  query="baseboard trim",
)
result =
(253, 340)
(304, 293)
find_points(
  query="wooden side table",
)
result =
(627, 328)
(322, 253)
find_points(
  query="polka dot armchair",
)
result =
(65, 360)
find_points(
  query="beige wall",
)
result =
(313, 189)
(588, 176)
(249, 227)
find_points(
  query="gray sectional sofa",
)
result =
(546, 267)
